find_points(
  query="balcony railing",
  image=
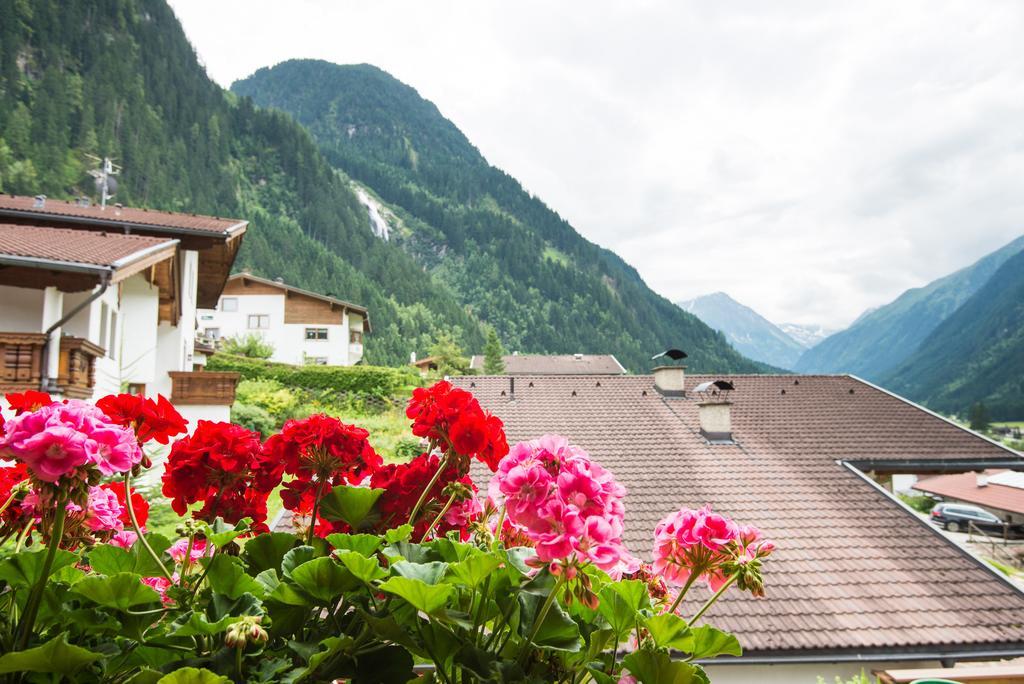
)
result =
(203, 387)
(23, 363)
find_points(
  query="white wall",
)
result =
(803, 673)
(175, 344)
(140, 311)
(193, 413)
(21, 309)
(288, 340)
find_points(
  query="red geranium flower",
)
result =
(157, 420)
(403, 483)
(23, 402)
(453, 418)
(321, 452)
(224, 466)
(139, 504)
(13, 517)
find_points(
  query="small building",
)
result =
(93, 300)
(555, 364)
(1001, 492)
(857, 581)
(303, 327)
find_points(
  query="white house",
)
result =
(95, 301)
(303, 327)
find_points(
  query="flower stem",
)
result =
(138, 530)
(186, 562)
(10, 499)
(539, 620)
(686, 587)
(426, 492)
(437, 520)
(710, 602)
(28, 619)
(315, 512)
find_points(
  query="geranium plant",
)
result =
(390, 572)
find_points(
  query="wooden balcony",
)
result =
(22, 364)
(203, 387)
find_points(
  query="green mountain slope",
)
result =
(976, 354)
(513, 261)
(880, 340)
(750, 333)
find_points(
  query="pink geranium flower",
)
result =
(103, 510)
(178, 549)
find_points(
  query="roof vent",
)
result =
(715, 411)
(83, 201)
(981, 479)
(670, 379)
(578, 357)
(39, 202)
(280, 280)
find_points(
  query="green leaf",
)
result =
(193, 624)
(193, 675)
(709, 642)
(226, 576)
(475, 569)
(144, 563)
(221, 533)
(56, 655)
(266, 551)
(350, 504)
(24, 569)
(670, 631)
(620, 605)
(430, 599)
(388, 665)
(558, 632)
(68, 575)
(323, 578)
(146, 676)
(397, 534)
(121, 591)
(517, 557)
(110, 560)
(362, 568)
(364, 544)
(295, 558)
(655, 667)
(429, 573)
(269, 580)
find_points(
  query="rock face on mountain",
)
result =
(882, 339)
(750, 333)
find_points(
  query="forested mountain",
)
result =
(880, 340)
(976, 354)
(120, 79)
(749, 332)
(511, 260)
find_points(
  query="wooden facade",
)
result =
(23, 364)
(203, 387)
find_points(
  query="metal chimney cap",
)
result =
(674, 354)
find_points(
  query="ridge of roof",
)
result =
(297, 290)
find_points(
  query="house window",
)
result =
(229, 304)
(258, 321)
(355, 336)
(136, 388)
(316, 333)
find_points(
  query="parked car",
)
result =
(957, 517)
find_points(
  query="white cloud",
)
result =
(811, 159)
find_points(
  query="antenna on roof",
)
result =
(106, 184)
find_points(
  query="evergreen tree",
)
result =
(494, 364)
(978, 416)
(450, 358)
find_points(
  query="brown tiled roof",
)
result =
(14, 206)
(71, 247)
(855, 572)
(556, 364)
(964, 487)
(284, 287)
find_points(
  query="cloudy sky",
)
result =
(811, 159)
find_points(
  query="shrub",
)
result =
(252, 346)
(269, 395)
(922, 503)
(254, 418)
(378, 381)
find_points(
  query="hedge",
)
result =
(379, 381)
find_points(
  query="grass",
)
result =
(556, 255)
(1009, 424)
(1007, 570)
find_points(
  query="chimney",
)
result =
(412, 357)
(716, 420)
(981, 479)
(578, 357)
(670, 378)
(715, 410)
(39, 202)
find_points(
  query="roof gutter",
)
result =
(54, 264)
(928, 526)
(888, 656)
(940, 465)
(125, 226)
